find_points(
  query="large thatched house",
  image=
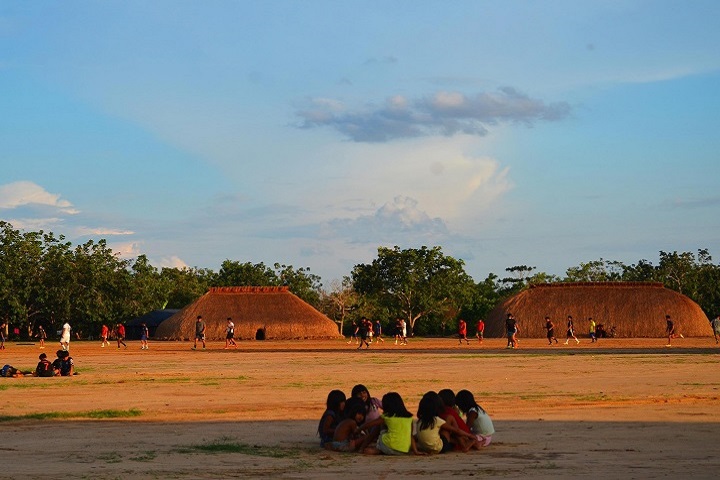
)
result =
(635, 309)
(258, 313)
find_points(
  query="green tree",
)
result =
(235, 274)
(184, 285)
(414, 283)
(596, 271)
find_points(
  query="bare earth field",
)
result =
(621, 408)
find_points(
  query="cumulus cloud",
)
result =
(171, 262)
(23, 193)
(392, 221)
(443, 113)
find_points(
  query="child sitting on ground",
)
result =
(477, 419)
(372, 404)
(451, 415)
(44, 367)
(346, 437)
(328, 422)
(435, 435)
(395, 438)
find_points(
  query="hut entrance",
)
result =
(260, 334)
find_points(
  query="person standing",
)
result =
(199, 332)
(104, 331)
(462, 332)
(42, 336)
(65, 337)
(511, 330)
(403, 329)
(377, 331)
(593, 337)
(480, 330)
(230, 334)
(3, 327)
(715, 323)
(120, 334)
(144, 334)
(570, 330)
(550, 327)
(670, 330)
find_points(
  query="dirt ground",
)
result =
(621, 408)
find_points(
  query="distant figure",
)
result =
(42, 336)
(120, 334)
(3, 327)
(480, 330)
(670, 330)
(550, 327)
(570, 330)
(65, 337)
(715, 322)
(462, 332)
(199, 332)
(403, 331)
(511, 330)
(104, 332)
(230, 334)
(144, 334)
(364, 326)
(377, 331)
(593, 338)
(354, 335)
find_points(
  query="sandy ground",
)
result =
(616, 409)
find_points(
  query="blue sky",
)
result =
(544, 133)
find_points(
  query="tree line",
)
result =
(46, 280)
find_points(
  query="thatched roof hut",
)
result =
(257, 312)
(635, 309)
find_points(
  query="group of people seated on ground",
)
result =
(62, 366)
(367, 425)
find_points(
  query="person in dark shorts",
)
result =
(120, 335)
(570, 330)
(462, 332)
(199, 332)
(144, 334)
(230, 334)
(480, 330)
(364, 326)
(550, 327)
(670, 330)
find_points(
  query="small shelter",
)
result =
(258, 313)
(634, 309)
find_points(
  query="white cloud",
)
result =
(126, 249)
(34, 224)
(171, 262)
(101, 231)
(18, 194)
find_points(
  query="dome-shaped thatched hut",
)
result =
(635, 309)
(257, 312)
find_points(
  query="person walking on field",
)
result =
(670, 330)
(715, 322)
(593, 337)
(480, 330)
(570, 330)
(199, 332)
(120, 334)
(462, 332)
(3, 327)
(65, 337)
(377, 331)
(230, 334)
(550, 327)
(104, 332)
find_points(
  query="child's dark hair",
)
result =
(393, 405)
(465, 401)
(334, 400)
(447, 396)
(429, 407)
(353, 406)
(357, 390)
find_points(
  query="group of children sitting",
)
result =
(367, 425)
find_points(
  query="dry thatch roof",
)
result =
(636, 309)
(257, 312)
